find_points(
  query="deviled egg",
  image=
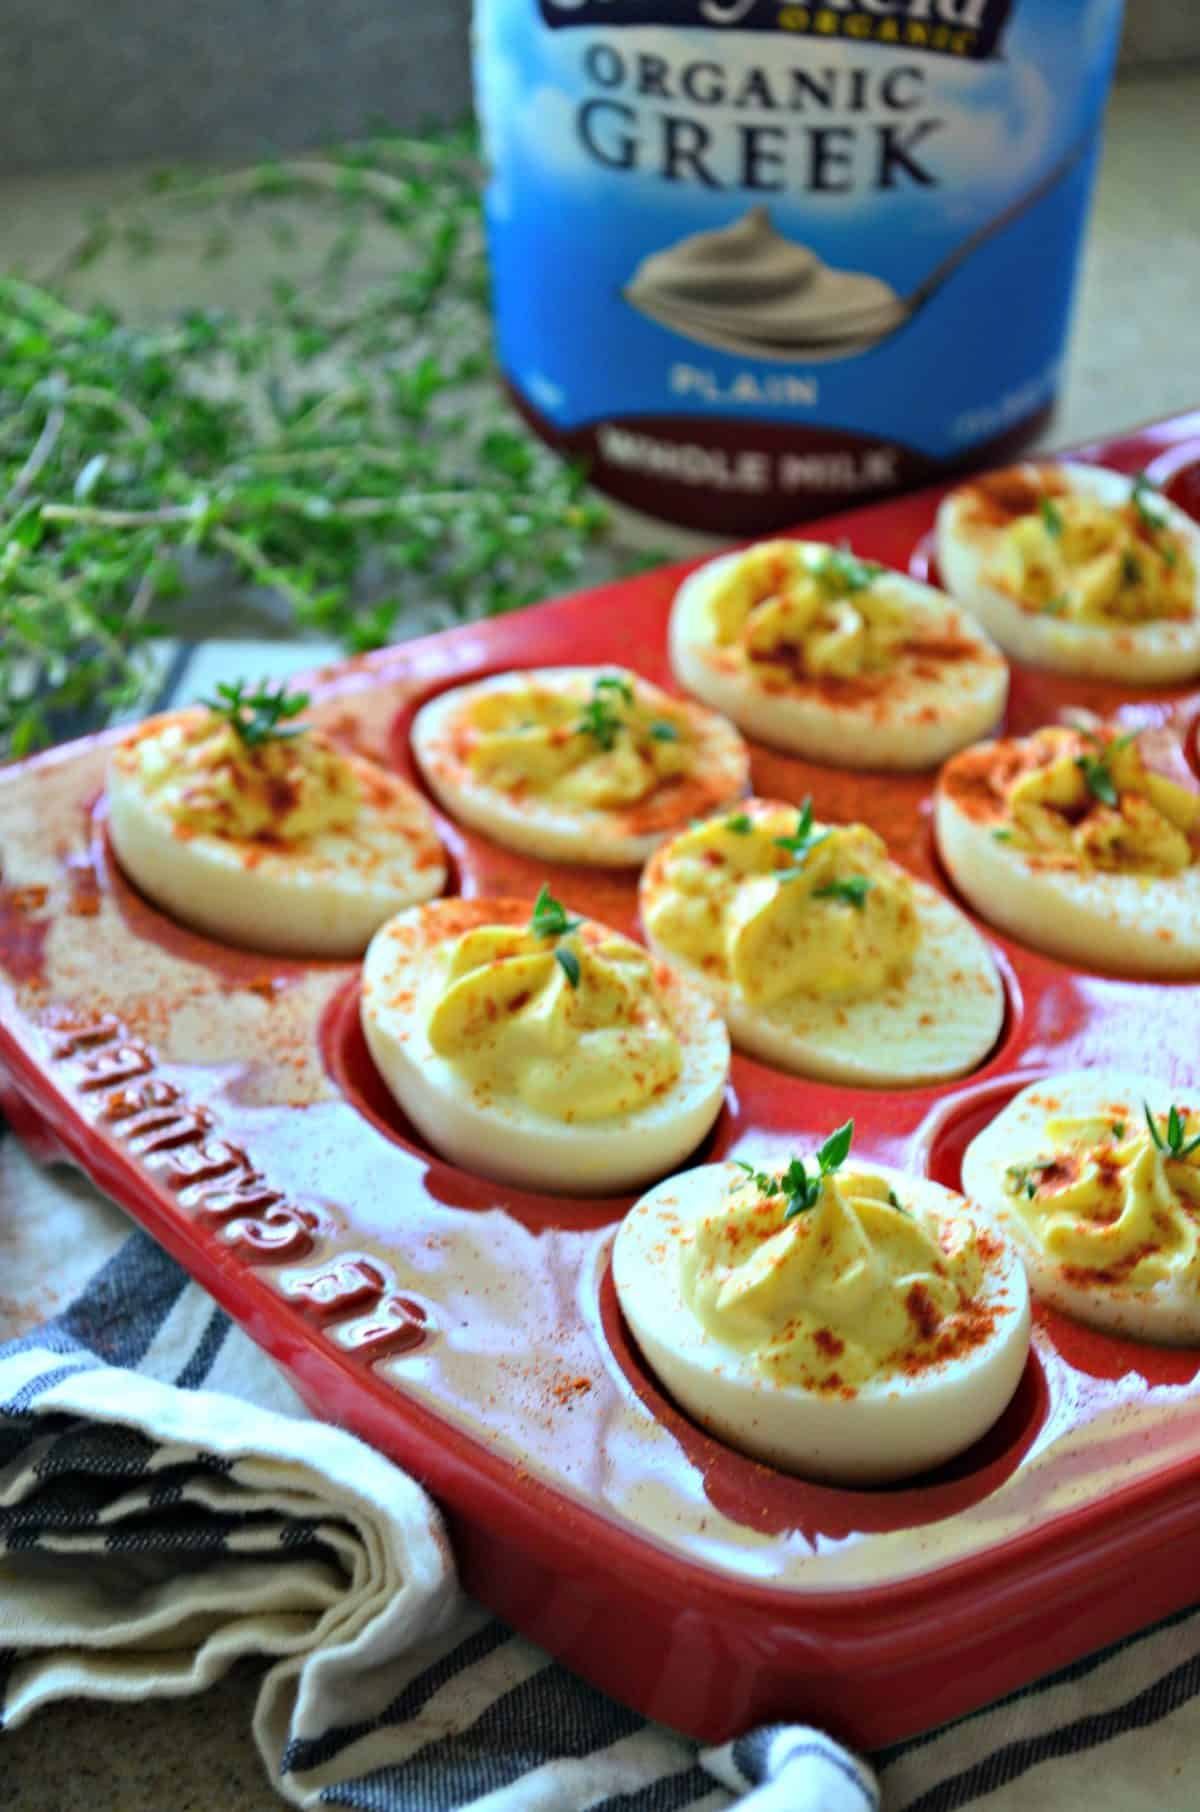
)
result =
(1071, 842)
(253, 828)
(838, 1319)
(812, 650)
(1077, 568)
(1095, 1176)
(823, 955)
(576, 764)
(542, 1049)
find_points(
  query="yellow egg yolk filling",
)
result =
(1110, 1203)
(573, 1027)
(612, 749)
(212, 783)
(784, 607)
(775, 914)
(1090, 802)
(1087, 562)
(852, 1289)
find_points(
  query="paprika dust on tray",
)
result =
(755, 261)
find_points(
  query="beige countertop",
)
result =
(1135, 354)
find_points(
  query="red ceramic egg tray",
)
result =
(470, 1331)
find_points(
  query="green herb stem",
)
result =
(345, 450)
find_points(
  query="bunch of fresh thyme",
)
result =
(349, 455)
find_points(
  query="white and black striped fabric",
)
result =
(166, 1506)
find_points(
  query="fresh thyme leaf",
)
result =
(1054, 607)
(89, 477)
(1025, 1179)
(803, 841)
(1118, 1129)
(801, 1187)
(664, 732)
(601, 719)
(1152, 516)
(1100, 783)
(261, 716)
(853, 890)
(1051, 516)
(569, 964)
(836, 1148)
(1176, 1144)
(843, 573)
(740, 824)
(1002, 836)
(1144, 488)
(550, 917)
(766, 1184)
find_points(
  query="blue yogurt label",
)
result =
(755, 260)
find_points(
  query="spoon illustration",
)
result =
(748, 289)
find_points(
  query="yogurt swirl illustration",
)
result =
(748, 288)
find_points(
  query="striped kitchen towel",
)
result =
(167, 1507)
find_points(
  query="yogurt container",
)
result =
(755, 261)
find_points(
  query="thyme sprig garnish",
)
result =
(1027, 1179)
(568, 962)
(1098, 778)
(550, 919)
(1173, 1141)
(801, 843)
(801, 1187)
(1052, 517)
(1095, 769)
(1151, 513)
(261, 716)
(842, 573)
(852, 891)
(345, 456)
(602, 718)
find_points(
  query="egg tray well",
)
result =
(227, 1101)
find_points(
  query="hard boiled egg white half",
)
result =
(1078, 569)
(1069, 840)
(539, 1048)
(286, 845)
(576, 764)
(823, 955)
(1095, 1176)
(812, 650)
(863, 1327)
